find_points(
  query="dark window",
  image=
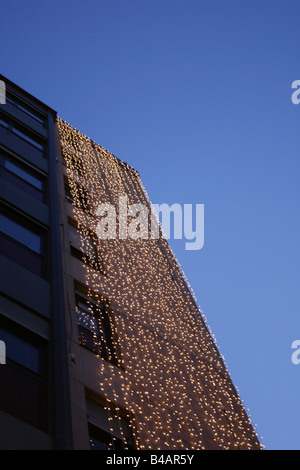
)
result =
(73, 162)
(25, 108)
(68, 193)
(102, 440)
(24, 134)
(23, 177)
(95, 329)
(21, 352)
(68, 138)
(27, 138)
(23, 390)
(21, 244)
(23, 174)
(85, 247)
(20, 233)
(77, 195)
(109, 428)
(88, 328)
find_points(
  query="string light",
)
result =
(175, 382)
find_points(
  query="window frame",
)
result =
(22, 183)
(26, 223)
(76, 163)
(23, 133)
(26, 108)
(83, 202)
(101, 417)
(76, 251)
(105, 344)
(99, 434)
(40, 378)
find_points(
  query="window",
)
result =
(84, 246)
(25, 135)
(20, 233)
(77, 195)
(21, 244)
(95, 330)
(22, 176)
(73, 162)
(68, 193)
(23, 391)
(102, 440)
(25, 108)
(21, 352)
(109, 429)
(28, 139)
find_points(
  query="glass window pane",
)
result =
(87, 321)
(68, 193)
(21, 255)
(85, 243)
(23, 185)
(21, 395)
(20, 351)
(20, 234)
(83, 306)
(26, 109)
(23, 174)
(23, 135)
(90, 247)
(75, 237)
(28, 139)
(95, 444)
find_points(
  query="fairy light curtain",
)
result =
(175, 381)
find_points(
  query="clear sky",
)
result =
(196, 95)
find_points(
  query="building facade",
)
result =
(106, 347)
(34, 391)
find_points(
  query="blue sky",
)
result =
(196, 95)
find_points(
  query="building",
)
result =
(105, 345)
